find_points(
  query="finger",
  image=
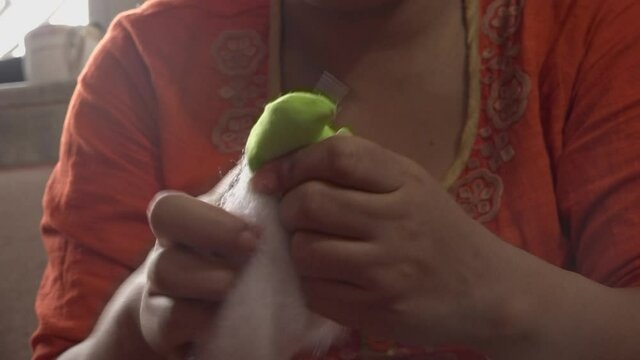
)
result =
(172, 325)
(178, 273)
(340, 302)
(322, 207)
(180, 219)
(346, 161)
(320, 257)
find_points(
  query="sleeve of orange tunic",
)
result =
(94, 228)
(598, 174)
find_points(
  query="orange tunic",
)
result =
(550, 155)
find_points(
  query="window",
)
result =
(18, 17)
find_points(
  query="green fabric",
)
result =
(290, 122)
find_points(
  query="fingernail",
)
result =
(345, 131)
(160, 195)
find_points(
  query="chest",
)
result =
(410, 98)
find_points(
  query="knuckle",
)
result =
(309, 200)
(342, 157)
(417, 177)
(411, 229)
(221, 286)
(159, 206)
(299, 248)
(405, 273)
(302, 206)
(160, 270)
(384, 277)
(239, 245)
(372, 278)
(287, 211)
(177, 322)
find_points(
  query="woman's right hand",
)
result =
(199, 250)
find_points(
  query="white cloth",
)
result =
(264, 317)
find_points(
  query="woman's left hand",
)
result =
(381, 247)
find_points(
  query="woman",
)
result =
(526, 112)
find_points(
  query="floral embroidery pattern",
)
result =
(508, 98)
(507, 85)
(505, 93)
(242, 90)
(495, 149)
(233, 128)
(502, 19)
(238, 54)
(479, 194)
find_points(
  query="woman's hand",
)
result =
(381, 247)
(199, 251)
(160, 311)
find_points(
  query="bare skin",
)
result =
(422, 272)
(404, 62)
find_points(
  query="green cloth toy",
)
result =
(290, 122)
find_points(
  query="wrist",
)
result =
(117, 334)
(542, 311)
(512, 301)
(125, 330)
(516, 322)
(121, 339)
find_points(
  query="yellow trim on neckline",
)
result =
(468, 136)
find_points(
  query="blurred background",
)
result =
(44, 45)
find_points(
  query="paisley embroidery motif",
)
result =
(238, 55)
(232, 130)
(508, 98)
(505, 95)
(502, 19)
(239, 52)
(480, 194)
(507, 85)
(242, 90)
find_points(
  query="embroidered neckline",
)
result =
(469, 129)
(498, 91)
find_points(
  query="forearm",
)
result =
(568, 316)
(117, 334)
(586, 320)
(118, 341)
